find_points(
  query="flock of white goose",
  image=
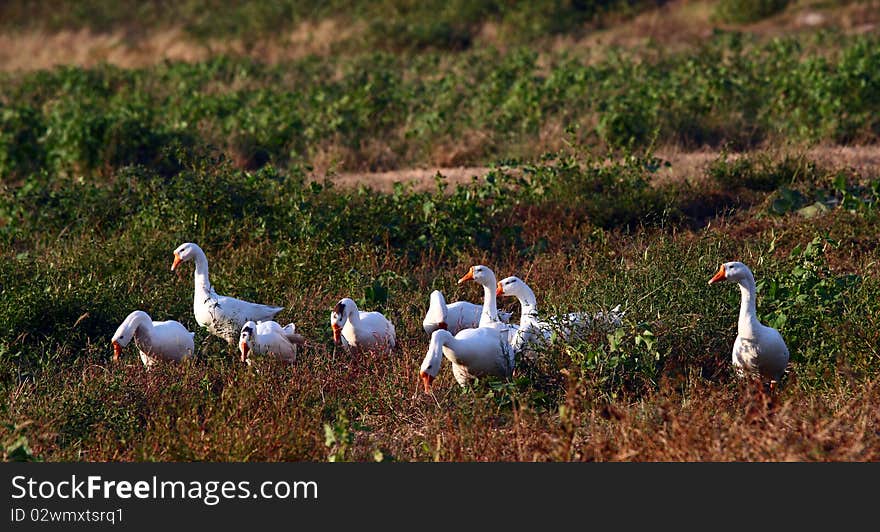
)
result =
(477, 340)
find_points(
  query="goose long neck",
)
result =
(748, 316)
(354, 315)
(201, 274)
(431, 364)
(452, 343)
(490, 306)
(141, 326)
(528, 303)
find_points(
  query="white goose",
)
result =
(568, 326)
(361, 330)
(223, 316)
(485, 277)
(269, 338)
(474, 353)
(155, 340)
(758, 349)
(453, 316)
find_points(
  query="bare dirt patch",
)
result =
(684, 166)
(419, 178)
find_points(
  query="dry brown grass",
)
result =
(741, 424)
(35, 50)
(681, 25)
(26, 51)
(461, 150)
(676, 25)
(240, 415)
(214, 409)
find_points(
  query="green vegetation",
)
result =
(83, 253)
(381, 111)
(104, 171)
(401, 25)
(745, 11)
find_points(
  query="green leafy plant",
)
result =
(807, 295)
(16, 447)
(338, 438)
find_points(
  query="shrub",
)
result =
(747, 11)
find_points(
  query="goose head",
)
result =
(511, 286)
(431, 364)
(732, 271)
(481, 274)
(435, 318)
(339, 316)
(246, 339)
(185, 252)
(125, 332)
(121, 339)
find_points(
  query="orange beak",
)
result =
(469, 276)
(243, 347)
(117, 350)
(337, 333)
(498, 290)
(426, 380)
(720, 276)
(176, 262)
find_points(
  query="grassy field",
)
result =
(107, 168)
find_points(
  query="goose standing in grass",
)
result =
(474, 353)
(155, 340)
(758, 349)
(453, 316)
(269, 338)
(223, 316)
(361, 330)
(568, 326)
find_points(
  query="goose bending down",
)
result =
(568, 326)
(473, 353)
(223, 316)
(453, 316)
(269, 338)
(155, 340)
(361, 330)
(758, 349)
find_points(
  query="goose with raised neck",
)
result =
(222, 316)
(485, 277)
(758, 349)
(454, 316)
(533, 330)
